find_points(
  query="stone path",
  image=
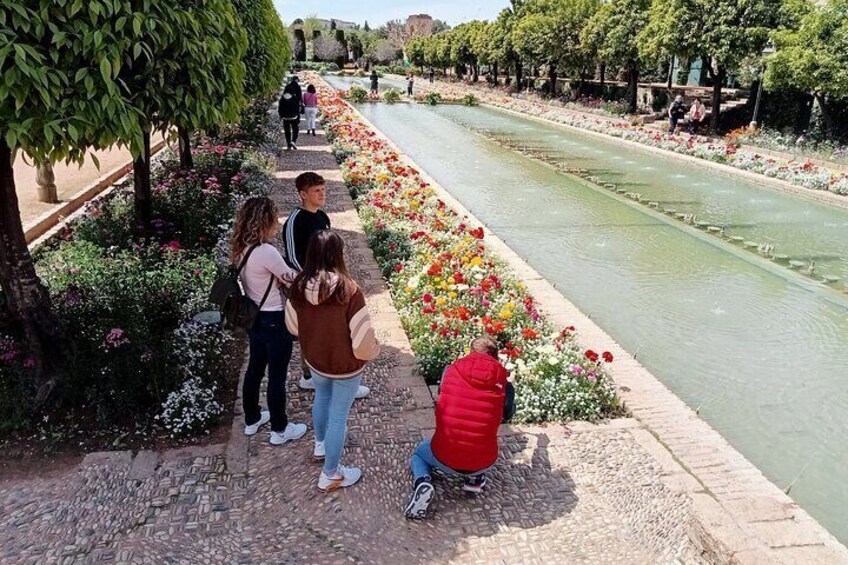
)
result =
(582, 494)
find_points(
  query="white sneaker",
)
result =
(291, 433)
(294, 145)
(362, 392)
(345, 477)
(306, 384)
(319, 452)
(264, 418)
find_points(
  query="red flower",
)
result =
(476, 233)
(398, 267)
(529, 333)
(591, 356)
(427, 297)
(434, 270)
(607, 356)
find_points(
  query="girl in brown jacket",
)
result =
(327, 311)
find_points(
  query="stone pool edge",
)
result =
(740, 516)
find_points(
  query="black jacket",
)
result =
(291, 102)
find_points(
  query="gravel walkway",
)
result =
(586, 494)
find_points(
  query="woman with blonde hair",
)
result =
(262, 270)
(327, 311)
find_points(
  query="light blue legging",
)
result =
(333, 399)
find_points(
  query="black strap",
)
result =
(270, 283)
(267, 292)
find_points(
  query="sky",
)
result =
(380, 11)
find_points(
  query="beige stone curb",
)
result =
(47, 224)
(739, 516)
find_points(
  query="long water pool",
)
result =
(761, 353)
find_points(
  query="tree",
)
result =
(439, 26)
(387, 52)
(311, 24)
(615, 28)
(416, 51)
(366, 28)
(268, 49)
(727, 32)
(60, 97)
(548, 33)
(340, 37)
(327, 49)
(813, 57)
(299, 45)
(212, 39)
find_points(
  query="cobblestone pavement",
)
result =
(583, 494)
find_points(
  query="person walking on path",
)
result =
(676, 112)
(298, 229)
(696, 116)
(327, 311)
(262, 270)
(310, 104)
(374, 82)
(290, 108)
(410, 82)
(475, 397)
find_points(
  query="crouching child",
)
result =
(475, 397)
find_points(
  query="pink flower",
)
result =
(29, 362)
(115, 338)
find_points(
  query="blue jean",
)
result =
(333, 399)
(271, 347)
(423, 461)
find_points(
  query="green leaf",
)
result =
(11, 139)
(106, 69)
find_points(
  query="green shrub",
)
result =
(392, 96)
(357, 94)
(433, 98)
(120, 309)
(469, 100)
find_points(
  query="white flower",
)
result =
(413, 282)
(553, 360)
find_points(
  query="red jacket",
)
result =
(468, 413)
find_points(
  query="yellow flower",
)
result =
(505, 314)
(451, 295)
(441, 301)
(476, 261)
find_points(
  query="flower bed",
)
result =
(800, 172)
(449, 289)
(134, 354)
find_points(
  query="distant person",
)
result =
(327, 311)
(696, 116)
(310, 105)
(431, 74)
(290, 108)
(676, 112)
(475, 397)
(262, 269)
(374, 81)
(410, 81)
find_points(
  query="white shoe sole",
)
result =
(421, 499)
(285, 439)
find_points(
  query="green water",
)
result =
(762, 353)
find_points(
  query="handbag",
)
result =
(236, 308)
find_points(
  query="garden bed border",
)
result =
(739, 515)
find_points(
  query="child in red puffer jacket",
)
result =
(475, 397)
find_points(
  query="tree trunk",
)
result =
(718, 82)
(805, 103)
(603, 74)
(670, 73)
(518, 74)
(186, 160)
(552, 78)
(141, 182)
(46, 181)
(633, 76)
(476, 73)
(826, 115)
(495, 73)
(27, 299)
